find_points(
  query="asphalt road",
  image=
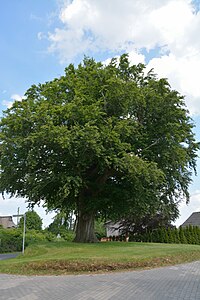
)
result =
(180, 282)
(8, 256)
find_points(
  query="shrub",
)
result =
(67, 235)
(10, 240)
(34, 236)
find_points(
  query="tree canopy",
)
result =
(108, 139)
(33, 221)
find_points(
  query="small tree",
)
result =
(100, 228)
(176, 234)
(192, 234)
(171, 238)
(183, 239)
(197, 234)
(187, 234)
(33, 221)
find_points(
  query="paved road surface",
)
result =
(177, 282)
(8, 256)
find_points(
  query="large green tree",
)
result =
(108, 139)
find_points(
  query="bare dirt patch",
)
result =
(64, 266)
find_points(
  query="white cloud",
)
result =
(183, 73)
(118, 24)
(14, 97)
(7, 103)
(134, 58)
(41, 35)
(93, 26)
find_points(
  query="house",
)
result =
(7, 222)
(193, 220)
(112, 229)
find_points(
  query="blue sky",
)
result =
(40, 38)
(24, 58)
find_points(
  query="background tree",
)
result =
(33, 221)
(63, 221)
(101, 139)
(137, 224)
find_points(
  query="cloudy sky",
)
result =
(40, 38)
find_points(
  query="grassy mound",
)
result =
(71, 258)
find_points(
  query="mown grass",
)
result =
(66, 258)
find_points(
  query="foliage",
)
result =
(62, 226)
(99, 227)
(49, 235)
(110, 139)
(63, 221)
(10, 240)
(33, 221)
(67, 235)
(35, 236)
(183, 235)
(139, 225)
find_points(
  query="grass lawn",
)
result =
(56, 258)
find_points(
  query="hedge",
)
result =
(11, 239)
(182, 235)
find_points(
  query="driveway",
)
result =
(176, 282)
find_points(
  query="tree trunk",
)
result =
(85, 228)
